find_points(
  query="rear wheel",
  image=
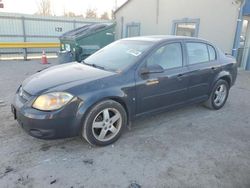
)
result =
(219, 95)
(104, 123)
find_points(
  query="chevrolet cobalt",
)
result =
(129, 78)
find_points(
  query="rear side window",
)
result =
(212, 53)
(197, 52)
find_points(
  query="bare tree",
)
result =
(91, 13)
(70, 14)
(105, 16)
(44, 7)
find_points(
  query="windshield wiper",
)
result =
(93, 65)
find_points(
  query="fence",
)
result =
(25, 36)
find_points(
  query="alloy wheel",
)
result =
(220, 95)
(107, 124)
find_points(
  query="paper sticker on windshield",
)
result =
(134, 52)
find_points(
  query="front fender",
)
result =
(90, 99)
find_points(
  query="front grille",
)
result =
(23, 95)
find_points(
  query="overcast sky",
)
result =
(59, 6)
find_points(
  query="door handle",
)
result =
(180, 76)
(152, 82)
(214, 68)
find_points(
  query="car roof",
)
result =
(162, 38)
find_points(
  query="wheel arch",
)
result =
(227, 79)
(123, 103)
(224, 75)
(91, 103)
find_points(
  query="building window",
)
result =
(186, 27)
(133, 29)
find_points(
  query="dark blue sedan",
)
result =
(129, 78)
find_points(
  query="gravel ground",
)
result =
(189, 147)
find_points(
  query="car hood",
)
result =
(60, 75)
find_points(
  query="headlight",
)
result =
(52, 101)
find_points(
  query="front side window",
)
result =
(168, 56)
(197, 52)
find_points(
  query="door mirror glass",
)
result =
(154, 68)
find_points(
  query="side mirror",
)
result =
(155, 68)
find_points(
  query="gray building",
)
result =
(218, 21)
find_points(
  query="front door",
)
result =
(155, 91)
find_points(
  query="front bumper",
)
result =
(62, 123)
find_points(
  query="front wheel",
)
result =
(104, 123)
(218, 96)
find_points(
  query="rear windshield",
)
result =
(118, 55)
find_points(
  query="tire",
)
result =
(104, 123)
(218, 96)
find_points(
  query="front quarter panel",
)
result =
(119, 88)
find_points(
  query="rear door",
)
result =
(202, 66)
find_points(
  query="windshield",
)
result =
(118, 55)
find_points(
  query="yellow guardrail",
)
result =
(29, 45)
